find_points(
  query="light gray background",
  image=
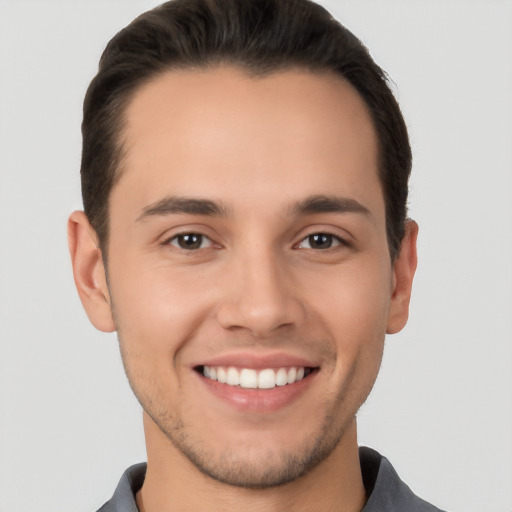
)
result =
(441, 409)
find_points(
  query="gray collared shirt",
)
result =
(387, 493)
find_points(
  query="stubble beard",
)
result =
(258, 469)
(270, 469)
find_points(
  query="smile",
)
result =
(249, 378)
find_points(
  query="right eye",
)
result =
(190, 241)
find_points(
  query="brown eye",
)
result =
(320, 241)
(190, 241)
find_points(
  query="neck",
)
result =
(174, 484)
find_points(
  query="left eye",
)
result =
(320, 241)
(190, 241)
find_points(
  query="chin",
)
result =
(255, 464)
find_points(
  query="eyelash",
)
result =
(333, 239)
(339, 242)
(186, 235)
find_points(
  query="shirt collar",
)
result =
(383, 486)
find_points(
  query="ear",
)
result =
(404, 268)
(89, 272)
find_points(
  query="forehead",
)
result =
(193, 129)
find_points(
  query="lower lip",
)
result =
(258, 400)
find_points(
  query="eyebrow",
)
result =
(183, 205)
(196, 206)
(328, 204)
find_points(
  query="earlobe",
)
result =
(89, 272)
(404, 268)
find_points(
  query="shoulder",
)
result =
(123, 499)
(385, 489)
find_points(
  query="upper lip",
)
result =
(258, 361)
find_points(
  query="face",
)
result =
(249, 272)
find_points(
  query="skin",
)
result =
(256, 286)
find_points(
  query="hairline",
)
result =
(253, 71)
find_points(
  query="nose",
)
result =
(262, 297)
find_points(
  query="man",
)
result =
(244, 177)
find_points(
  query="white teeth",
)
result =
(292, 375)
(281, 377)
(233, 377)
(267, 379)
(221, 375)
(249, 378)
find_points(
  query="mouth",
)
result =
(250, 382)
(250, 378)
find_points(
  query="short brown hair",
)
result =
(260, 36)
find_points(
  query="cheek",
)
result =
(157, 310)
(155, 316)
(354, 300)
(355, 318)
